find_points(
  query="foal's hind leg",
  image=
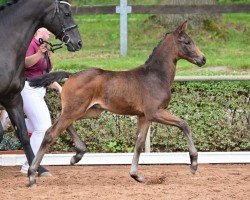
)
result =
(164, 117)
(143, 126)
(79, 144)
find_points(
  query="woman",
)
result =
(37, 62)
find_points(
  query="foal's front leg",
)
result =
(164, 117)
(51, 134)
(143, 126)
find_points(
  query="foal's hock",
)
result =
(144, 91)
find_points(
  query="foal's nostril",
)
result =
(80, 43)
(204, 59)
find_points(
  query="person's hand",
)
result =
(43, 48)
(60, 90)
(56, 86)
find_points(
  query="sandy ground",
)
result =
(113, 182)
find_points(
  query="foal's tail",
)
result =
(46, 79)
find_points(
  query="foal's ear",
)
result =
(181, 28)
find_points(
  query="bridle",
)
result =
(65, 37)
(58, 13)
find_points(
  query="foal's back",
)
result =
(122, 92)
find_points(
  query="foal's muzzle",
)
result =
(200, 61)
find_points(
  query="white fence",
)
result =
(126, 158)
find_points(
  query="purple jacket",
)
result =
(42, 66)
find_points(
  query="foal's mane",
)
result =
(153, 52)
(8, 4)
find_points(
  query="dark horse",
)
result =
(144, 91)
(19, 21)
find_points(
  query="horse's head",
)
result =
(59, 20)
(186, 48)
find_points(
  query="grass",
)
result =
(101, 45)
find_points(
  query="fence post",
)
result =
(123, 9)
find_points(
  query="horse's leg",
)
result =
(164, 117)
(17, 119)
(1, 132)
(79, 144)
(51, 134)
(143, 126)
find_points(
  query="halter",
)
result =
(65, 37)
(64, 28)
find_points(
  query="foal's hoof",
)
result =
(76, 158)
(194, 163)
(32, 181)
(32, 185)
(193, 169)
(138, 178)
(73, 161)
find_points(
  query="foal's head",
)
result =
(185, 47)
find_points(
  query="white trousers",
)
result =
(37, 112)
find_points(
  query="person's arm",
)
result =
(56, 86)
(33, 59)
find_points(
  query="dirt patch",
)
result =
(113, 182)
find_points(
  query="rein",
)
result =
(52, 47)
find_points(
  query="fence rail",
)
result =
(213, 78)
(166, 9)
(125, 158)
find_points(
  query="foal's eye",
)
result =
(187, 42)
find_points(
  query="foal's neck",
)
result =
(163, 60)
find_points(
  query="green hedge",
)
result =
(217, 112)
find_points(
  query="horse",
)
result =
(144, 92)
(19, 20)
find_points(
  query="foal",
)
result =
(144, 91)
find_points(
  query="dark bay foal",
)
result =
(144, 91)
